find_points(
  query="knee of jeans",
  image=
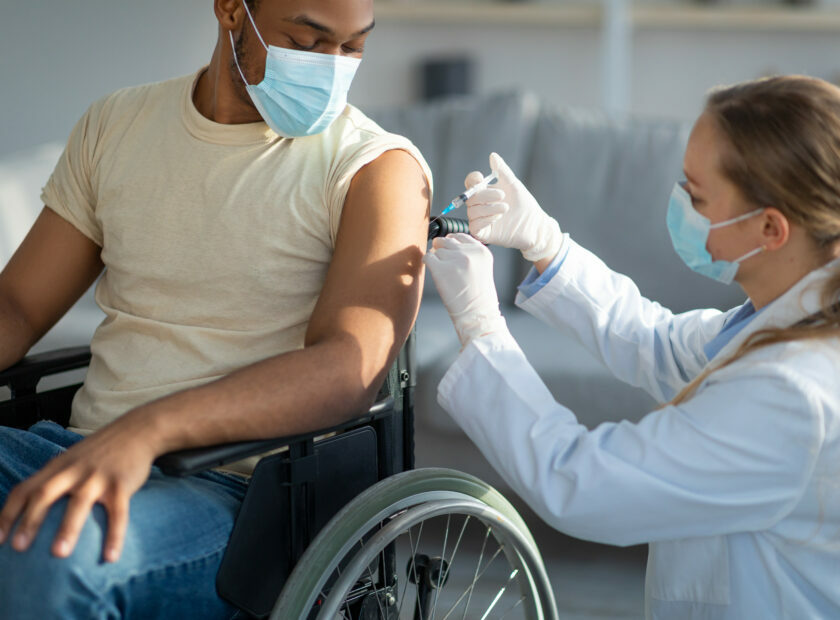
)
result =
(36, 584)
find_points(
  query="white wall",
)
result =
(58, 56)
(559, 65)
(671, 70)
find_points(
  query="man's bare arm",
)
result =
(51, 269)
(365, 311)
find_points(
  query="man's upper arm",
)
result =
(52, 268)
(372, 290)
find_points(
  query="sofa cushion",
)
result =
(456, 136)
(22, 175)
(575, 378)
(607, 183)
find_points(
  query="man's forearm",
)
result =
(15, 333)
(296, 392)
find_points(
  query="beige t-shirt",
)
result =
(216, 238)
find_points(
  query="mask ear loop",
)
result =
(245, 4)
(750, 254)
(740, 218)
(235, 59)
(233, 46)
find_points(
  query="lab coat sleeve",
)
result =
(641, 342)
(736, 457)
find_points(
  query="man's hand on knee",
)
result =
(107, 468)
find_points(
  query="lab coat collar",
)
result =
(801, 300)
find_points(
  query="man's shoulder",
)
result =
(352, 121)
(139, 95)
(354, 133)
(118, 111)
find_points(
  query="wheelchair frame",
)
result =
(293, 472)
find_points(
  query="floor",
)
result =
(590, 581)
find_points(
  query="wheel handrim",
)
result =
(518, 550)
(384, 499)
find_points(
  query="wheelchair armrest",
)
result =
(25, 375)
(195, 460)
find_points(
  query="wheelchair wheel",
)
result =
(423, 544)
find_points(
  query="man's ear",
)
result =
(775, 230)
(229, 13)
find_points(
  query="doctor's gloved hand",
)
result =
(506, 214)
(462, 269)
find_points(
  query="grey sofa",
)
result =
(606, 182)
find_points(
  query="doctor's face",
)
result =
(716, 197)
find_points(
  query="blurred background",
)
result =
(639, 58)
(591, 103)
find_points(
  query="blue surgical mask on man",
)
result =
(301, 93)
(690, 233)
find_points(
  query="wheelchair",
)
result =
(337, 524)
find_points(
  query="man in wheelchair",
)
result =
(258, 245)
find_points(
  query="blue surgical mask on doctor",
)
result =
(301, 93)
(690, 233)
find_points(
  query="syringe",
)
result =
(461, 200)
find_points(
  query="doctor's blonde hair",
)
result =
(782, 149)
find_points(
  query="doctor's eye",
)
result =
(694, 199)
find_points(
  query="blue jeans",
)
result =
(177, 532)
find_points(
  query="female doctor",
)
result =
(735, 479)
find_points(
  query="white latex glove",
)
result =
(462, 269)
(506, 214)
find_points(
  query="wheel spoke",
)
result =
(440, 570)
(493, 604)
(475, 576)
(471, 587)
(373, 584)
(413, 566)
(499, 595)
(512, 607)
(455, 549)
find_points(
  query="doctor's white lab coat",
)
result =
(737, 489)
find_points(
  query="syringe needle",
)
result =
(461, 199)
